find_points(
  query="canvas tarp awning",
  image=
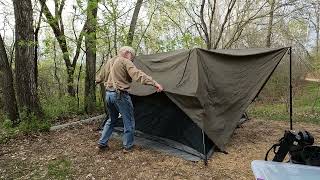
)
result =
(213, 87)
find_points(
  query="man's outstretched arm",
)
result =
(141, 77)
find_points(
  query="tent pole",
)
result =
(204, 149)
(290, 85)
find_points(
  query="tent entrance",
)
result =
(160, 120)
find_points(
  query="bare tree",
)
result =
(10, 103)
(90, 41)
(134, 22)
(114, 14)
(270, 24)
(220, 24)
(57, 26)
(24, 58)
(204, 28)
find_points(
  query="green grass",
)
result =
(268, 111)
(59, 169)
(306, 106)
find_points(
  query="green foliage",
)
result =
(316, 61)
(54, 100)
(56, 106)
(25, 43)
(59, 169)
(306, 106)
(276, 89)
(299, 28)
(30, 124)
(7, 123)
(7, 131)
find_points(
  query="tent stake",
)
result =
(204, 149)
(290, 85)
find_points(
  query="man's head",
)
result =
(127, 52)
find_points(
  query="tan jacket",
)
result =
(121, 72)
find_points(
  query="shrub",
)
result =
(29, 123)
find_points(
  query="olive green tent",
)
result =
(213, 88)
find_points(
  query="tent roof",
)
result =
(213, 87)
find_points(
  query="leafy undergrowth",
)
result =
(57, 110)
(29, 124)
(72, 154)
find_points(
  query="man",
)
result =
(117, 74)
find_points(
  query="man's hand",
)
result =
(159, 87)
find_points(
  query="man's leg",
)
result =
(109, 125)
(126, 110)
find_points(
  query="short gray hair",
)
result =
(129, 49)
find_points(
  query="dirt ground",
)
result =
(72, 154)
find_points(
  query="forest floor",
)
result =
(72, 154)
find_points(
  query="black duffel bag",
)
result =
(300, 148)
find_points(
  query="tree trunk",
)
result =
(204, 25)
(90, 41)
(317, 28)
(269, 33)
(56, 69)
(36, 40)
(134, 22)
(70, 82)
(78, 83)
(57, 26)
(24, 58)
(9, 98)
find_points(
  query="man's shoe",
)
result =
(127, 150)
(103, 147)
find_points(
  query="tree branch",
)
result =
(230, 7)
(145, 30)
(61, 7)
(79, 43)
(58, 33)
(204, 25)
(134, 22)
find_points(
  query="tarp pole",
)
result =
(290, 86)
(205, 159)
